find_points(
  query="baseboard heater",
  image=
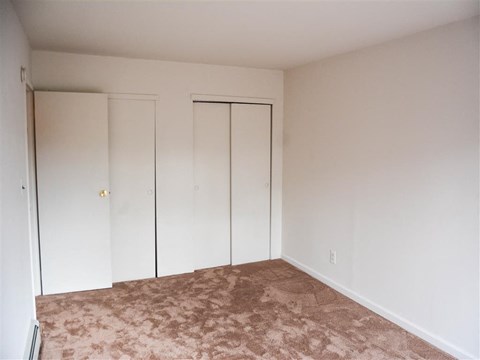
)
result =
(33, 342)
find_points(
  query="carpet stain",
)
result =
(264, 310)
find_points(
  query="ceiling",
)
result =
(261, 34)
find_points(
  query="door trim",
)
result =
(125, 96)
(231, 99)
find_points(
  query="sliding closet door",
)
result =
(132, 181)
(72, 175)
(250, 183)
(211, 233)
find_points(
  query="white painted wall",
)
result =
(173, 83)
(381, 163)
(17, 307)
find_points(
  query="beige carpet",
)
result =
(267, 310)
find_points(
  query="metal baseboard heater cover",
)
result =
(33, 343)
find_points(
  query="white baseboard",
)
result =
(403, 323)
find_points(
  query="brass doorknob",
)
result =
(103, 193)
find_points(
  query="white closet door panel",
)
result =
(212, 184)
(132, 184)
(250, 183)
(72, 168)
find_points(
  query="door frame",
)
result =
(231, 99)
(33, 220)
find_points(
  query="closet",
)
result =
(232, 157)
(96, 187)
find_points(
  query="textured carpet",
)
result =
(267, 310)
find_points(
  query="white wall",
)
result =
(17, 307)
(173, 83)
(381, 164)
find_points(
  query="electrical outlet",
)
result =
(333, 257)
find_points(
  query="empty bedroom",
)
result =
(239, 179)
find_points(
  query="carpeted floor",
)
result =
(267, 310)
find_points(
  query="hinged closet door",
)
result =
(132, 179)
(250, 160)
(72, 174)
(211, 232)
